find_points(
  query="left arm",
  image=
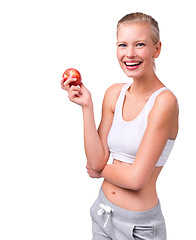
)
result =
(161, 121)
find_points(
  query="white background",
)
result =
(45, 192)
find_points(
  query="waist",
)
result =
(125, 214)
(141, 200)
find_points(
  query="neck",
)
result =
(146, 84)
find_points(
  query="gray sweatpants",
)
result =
(112, 222)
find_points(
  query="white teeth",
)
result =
(132, 63)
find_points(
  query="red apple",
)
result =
(72, 73)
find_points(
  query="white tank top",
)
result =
(124, 137)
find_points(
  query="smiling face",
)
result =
(136, 50)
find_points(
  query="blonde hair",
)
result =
(139, 17)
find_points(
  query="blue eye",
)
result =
(140, 44)
(122, 45)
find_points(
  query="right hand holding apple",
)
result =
(77, 94)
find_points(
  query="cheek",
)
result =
(118, 54)
(148, 57)
(119, 57)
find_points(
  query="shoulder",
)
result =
(167, 100)
(112, 94)
(165, 106)
(115, 89)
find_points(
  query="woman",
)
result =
(139, 126)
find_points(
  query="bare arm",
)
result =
(96, 147)
(161, 121)
(96, 154)
(95, 142)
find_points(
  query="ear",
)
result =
(157, 49)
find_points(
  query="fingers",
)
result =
(74, 92)
(66, 84)
(88, 169)
(87, 166)
(78, 94)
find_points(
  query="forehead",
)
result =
(134, 32)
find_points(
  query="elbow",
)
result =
(98, 163)
(136, 183)
(97, 167)
(135, 186)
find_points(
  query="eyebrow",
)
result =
(120, 42)
(142, 40)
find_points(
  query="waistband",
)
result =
(141, 217)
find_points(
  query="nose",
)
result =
(130, 52)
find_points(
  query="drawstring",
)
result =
(105, 209)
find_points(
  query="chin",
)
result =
(137, 73)
(133, 74)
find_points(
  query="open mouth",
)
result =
(132, 64)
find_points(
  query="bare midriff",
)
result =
(140, 200)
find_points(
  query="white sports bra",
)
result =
(124, 137)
